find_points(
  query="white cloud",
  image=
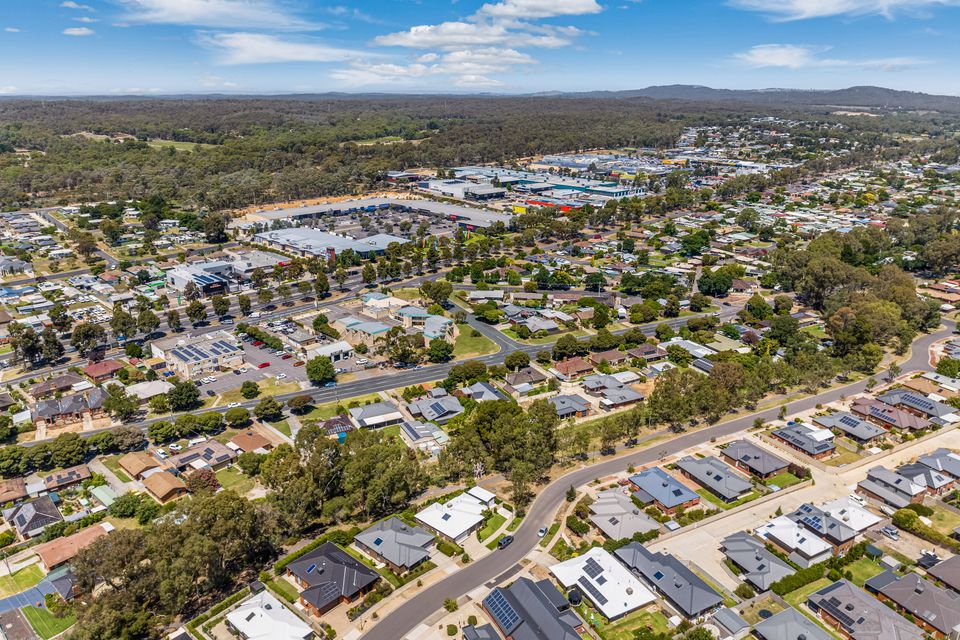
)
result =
(8, 89)
(259, 48)
(446, 34)
(70, 4)
(804, 9)
(468, 67)
(213, 81)
(11, 29)
(86, 20)
(791, 56)
(79, 32)
(263, 14)
(528, 9)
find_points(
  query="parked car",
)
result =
(891, 532)
(257, 343)
(233, 405)
(286, 356)
(362, 361)
(298, 363)
(330, 385)
(263, 365)
(162, 454)
(175, 447)
(542, 531)
(504, 542)
(281, 376)
(211, 393)
(607, 451)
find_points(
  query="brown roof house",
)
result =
(164, 486)
(12, 491)
(66, 477)
(136, 464)
(250, 441)
(572, 368)
(102, 371)
(56, 552)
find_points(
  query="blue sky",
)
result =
(56, 47)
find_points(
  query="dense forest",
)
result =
(261, 150)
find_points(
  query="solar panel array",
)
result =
(833, 607)
(595, 595)
(592, 568)
(194, 353)
(507, 617)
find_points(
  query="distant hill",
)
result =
(865, 97)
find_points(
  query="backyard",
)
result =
(624, 628)
(801, 594)
(45, 623)
(234, 479)
(720, 504)
(862, 570)
(783, 480)
(751, 612)
(944, 520)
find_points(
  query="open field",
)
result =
(468, 346)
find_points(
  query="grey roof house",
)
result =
(790, 624)
(745, 455)
(890, 488)
(947, 572)
(859, 615)
(932, 480)
(684, 589)
(654, 485)
(31, 518)
(528, 610)
(715, 476)
(942, 460)
(760, 567)
(913, 401)
(816, 443)
(396, 544)
(857, 429)
(617, 517)
(440, 409)
(570, 405)
(329, 575)
(933, 607)
(824, 525)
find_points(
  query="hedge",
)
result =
(448, 548)
(577, 525)
(217, 608)
(270, 340)
(342, 537)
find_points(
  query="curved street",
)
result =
(541, 512)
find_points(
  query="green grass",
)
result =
(493, 543)
(491, 526)
(468, 346)
(233, 478)
(113, 463)
(284, 588)
(268, 387)
(20, 580)
(815, 331)
(720, 504)
(945, 521)
(329, 409)
(579, 333)
(751, 613)
(179, 146)
(799, 596)
(783, 480)
(46, 624)
(843, 457)
(624, 628)
(514, 524)
(862, 570)
(552, 531)
(388, 575)
(283, 427)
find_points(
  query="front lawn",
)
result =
(799, 596)
(491, 526)
(20, 580)
(328, 410)
(283, 427)
(470, 346)
(783, 480)
(233, 478)
(113, 463)
(720, 504)
(843, 457)
(45, 623)
(268, 387)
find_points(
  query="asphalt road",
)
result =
(402, 620)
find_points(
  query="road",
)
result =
(541, 512)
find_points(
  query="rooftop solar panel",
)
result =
(595, 594)
(507, 618)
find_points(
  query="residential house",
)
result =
(164, 486)
(790, 624)
(932, 608)
(68, 477)
(59, 384)
(263, 617)
(933, 481)
(716, 477)
(454, 519)
(694, 349)
(12, 490)
(612, 357)
(859, 616)
(942, 460)
(31, 518)
(570, 406)
(888, 416)
(571, 368)
(210, 454)
(947, 573)
(606, 583)
(612, 391)
(375, 415)
(71, 409)
(526, 375)
(647, 352)
(758, 566)
(920, 405)
(802, 547)
(62, 550)
(806, 438)
(890, 488)
(396, 544)
(823, 524)
(328, 576)
(337, 427)
(528, 610)
(857, 429)
(138, 464)
(483, 632)
(617, 517)
(482, 392)
(682, 588)
(250, 442)
(754, 459)
(143, 391)
(657, 487)
(102, 371)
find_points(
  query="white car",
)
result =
(233, 405)
(175, 447)
(362, 361)
(281, 376)
(161, 454)
(242, 369)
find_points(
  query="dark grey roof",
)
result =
(33, 515)
(755, 458)
(678, 584)
(528, 610)
(567, 405)
(760, 567)
(924, 476)
(893, 488)
(937, 607)
(947, 572)
(857, 428)
(331, 574)
(861, 615)
(917, 402)
(942, 460)
(485, 632)
(437, 409)
(790, 624)
(662, 487)
(527, 375)
(798, 435)
(730, 620)
(716, 476)
(397, 542)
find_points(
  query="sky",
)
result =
(157, 47)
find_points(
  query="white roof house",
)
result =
(607, 583)
(146, 390)
(454, 519)
(481, 494)
(804, 547)
(377, 414)
(851, 514)
(262, 617)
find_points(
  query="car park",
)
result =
(286, 356)
(298, 363)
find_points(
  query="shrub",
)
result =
(450, 605)
(744, 591)
(921, 510)
(472, 620)
(451, 630)
(577, 525)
